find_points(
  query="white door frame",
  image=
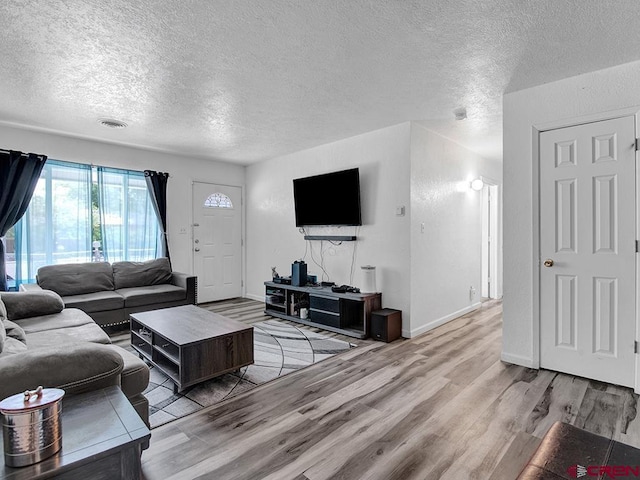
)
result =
(243, 256)
(536, 253)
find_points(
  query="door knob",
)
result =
(197, 249)
(548, 262)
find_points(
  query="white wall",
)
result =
(427, 276)
(273, 239)
(446, 257)
(585, 95)
(182, 171)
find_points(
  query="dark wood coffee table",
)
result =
(102, 438)
(191, 344)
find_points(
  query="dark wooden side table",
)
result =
(102, 438)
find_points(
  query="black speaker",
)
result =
(386, 324)
(298, 274)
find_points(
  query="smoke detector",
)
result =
(111, 123)
(460, 113)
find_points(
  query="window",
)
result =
(79, 213)
(129, 224)
(218, 200)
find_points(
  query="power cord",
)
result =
(306, 243)
(319, 265)
(353, 257)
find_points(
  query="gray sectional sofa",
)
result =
(110, 292)
(44, 343)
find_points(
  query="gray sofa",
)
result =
(43, 343)
(110, 292)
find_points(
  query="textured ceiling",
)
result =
(244, 81)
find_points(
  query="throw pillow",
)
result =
(15, 331)
(31, 304)
(141, 274)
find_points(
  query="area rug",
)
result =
(279, 348)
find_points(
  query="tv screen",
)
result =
(329, 199)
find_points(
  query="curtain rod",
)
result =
(22, 154)
(93, 165)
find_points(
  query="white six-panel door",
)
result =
(217, 241)
(587, 244)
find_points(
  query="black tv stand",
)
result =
(345, 313)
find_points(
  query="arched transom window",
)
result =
(218, 200)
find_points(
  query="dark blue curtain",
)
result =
(157, 186)
(19, 174)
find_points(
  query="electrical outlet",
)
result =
(472, 292)
(422, 227)
(183, 230)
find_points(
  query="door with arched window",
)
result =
(217, 241)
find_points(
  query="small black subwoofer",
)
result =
(386, 324)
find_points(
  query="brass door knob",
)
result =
(548, 262)
(197, 249)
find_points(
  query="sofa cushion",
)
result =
(66, 336)
(141, 296)
(95, 302)
(31, 304)
(140, 274)
(3, 310)
(70, 321)
(76, 278)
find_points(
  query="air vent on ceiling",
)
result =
(111, 123)
(460, 113)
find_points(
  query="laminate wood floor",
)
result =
(438, 406)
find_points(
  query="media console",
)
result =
(346, 313)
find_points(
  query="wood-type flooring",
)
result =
(439, 406)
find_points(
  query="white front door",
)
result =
(587, 246)
(217, 241)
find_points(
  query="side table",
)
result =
(102, 438)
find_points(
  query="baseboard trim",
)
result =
(518, 360)
(259, 298)
(440, 321)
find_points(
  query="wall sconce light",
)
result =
(477, 184)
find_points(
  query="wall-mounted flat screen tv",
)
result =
(328, 200)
